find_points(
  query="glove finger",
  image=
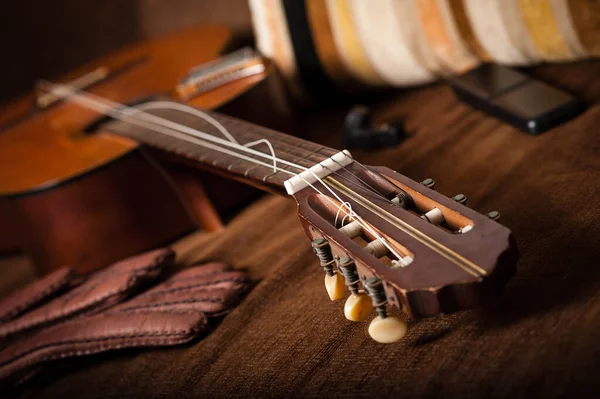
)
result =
(200, 270)
(213, 303)
(173, 312)
(100, 291)
(192, 290)
(36, 293)
(144, 264)
(99, 333)
(233, 280)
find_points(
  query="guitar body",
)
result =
(69, 197)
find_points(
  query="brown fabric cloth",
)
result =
(542, 339)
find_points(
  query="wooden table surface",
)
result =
(287, 339)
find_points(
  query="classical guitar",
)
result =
(69, 197)
(386, 239)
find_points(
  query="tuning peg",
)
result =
(334, 282)
(494, 215)
(429, 183)
(460, 198)
(464, 229)
(387, 330)
(384, 329)
(358, 305)
(404, 200)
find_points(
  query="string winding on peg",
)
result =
(404, 200)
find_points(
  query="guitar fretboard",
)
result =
(291, 149)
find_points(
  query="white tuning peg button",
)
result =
(387, 330)
(335, 286)
(358, 306)
(434, 216)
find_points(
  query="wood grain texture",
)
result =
(47, 40)
(69, 196)
(246, 167)
(51, 146)
(91, 222)
(450, 272)
(288, 339)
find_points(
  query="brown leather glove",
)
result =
(102, 312)
(36, 293)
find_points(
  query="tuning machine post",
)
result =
(494, 215)
(460, 198)
(429, 183)
(334, 282)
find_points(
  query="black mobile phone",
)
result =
(516, 98)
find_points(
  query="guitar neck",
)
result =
(230, 161)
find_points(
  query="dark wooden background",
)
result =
(42, 39)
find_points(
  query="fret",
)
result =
(276, 138)
(310, 149)
(287, 148)
(241, 163)
(314, 155)
(241, 137)
(283, 175)
(259, 172)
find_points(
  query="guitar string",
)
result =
(468, 266)
(354, 214)
(226, 133)
(447, 253)
(96, 103)
(200, 114)
(361, 181)
(203, 115)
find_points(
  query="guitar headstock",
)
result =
(391, 240)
